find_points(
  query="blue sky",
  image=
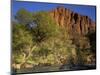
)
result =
(38, 6)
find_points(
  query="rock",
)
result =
(91, 59)
(28, 66)
(16, 66)
(74, 22)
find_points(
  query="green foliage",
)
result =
(92, 39)
(21, 43)
(21, 37)
(45, 27)
(24, 17)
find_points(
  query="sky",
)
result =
(40, 6)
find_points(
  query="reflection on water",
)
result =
(66, 67)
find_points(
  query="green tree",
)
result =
(44, 43)
(24, 17)
(45, 26)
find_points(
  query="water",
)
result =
(66, 67)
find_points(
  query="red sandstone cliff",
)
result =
(73, 22)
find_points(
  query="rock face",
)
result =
(73, 22)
